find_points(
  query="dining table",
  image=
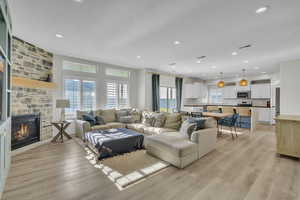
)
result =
(217, 117)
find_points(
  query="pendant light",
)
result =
(244, 81)
(221, 83)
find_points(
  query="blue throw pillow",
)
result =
(89, 118)
(200, 123)
(99, 120)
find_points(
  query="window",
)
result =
(167, 99)
(117, 73)
(81, 94)
(116, 95)
(78, 67)
(215, 95)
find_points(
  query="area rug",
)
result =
(127, 169)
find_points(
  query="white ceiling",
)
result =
(117, 31)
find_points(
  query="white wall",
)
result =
(99, 77)
(289, 88)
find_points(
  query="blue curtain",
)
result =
(155, 92)
(178, 84)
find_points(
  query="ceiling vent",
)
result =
(245, 46)
(201, 57)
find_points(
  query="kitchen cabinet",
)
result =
(264, 114)
(243, 88)
(229, 92)
(260, 91)
(194, 90)
(288, 135)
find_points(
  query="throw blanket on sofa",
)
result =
(112, 142)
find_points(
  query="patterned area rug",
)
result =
(127, 169)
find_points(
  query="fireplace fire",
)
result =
(25, 130)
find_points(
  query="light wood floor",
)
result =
(244, 169)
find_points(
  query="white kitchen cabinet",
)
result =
(264, 114)
(260, 91)
(195, 90)
(229, 92)
(243, 88)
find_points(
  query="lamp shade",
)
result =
(62, 103)
(221, 84)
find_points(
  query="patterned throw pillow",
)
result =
(159, 119)
(147, 118)
(187, 128)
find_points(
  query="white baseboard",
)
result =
(28, 147)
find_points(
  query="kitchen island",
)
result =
(257, 114)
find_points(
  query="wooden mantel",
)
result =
(30, 83)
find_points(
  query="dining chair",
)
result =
(231, 123)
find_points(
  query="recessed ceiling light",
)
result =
(262, 9)
(78, 1)
(263, 72)
(213, 67)
(176, 42)
(138, 57)
(234, 53)
(256, 68)
(198, 61)
(59, 35)
(246, 61)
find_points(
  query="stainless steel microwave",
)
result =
(244, 95)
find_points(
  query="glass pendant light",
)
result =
(221, 83)
(244, 81)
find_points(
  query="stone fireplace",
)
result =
(33, 105)
(25, 130)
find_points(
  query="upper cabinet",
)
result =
(260, 91)
(229, 92)
(243, 88)
(194, 90)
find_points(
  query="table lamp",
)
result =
(62, 104)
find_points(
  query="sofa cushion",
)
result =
(156, 130)
(173, 121)
(116, 125)
(126, 119)
(109, 115)
(121, 113)
(187, 128)
(97, 112)
(172, 142)
(100, 127)
(139, 127)
(159, 119)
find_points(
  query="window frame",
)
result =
(118, 82)
(81, 79)
(169, 95)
